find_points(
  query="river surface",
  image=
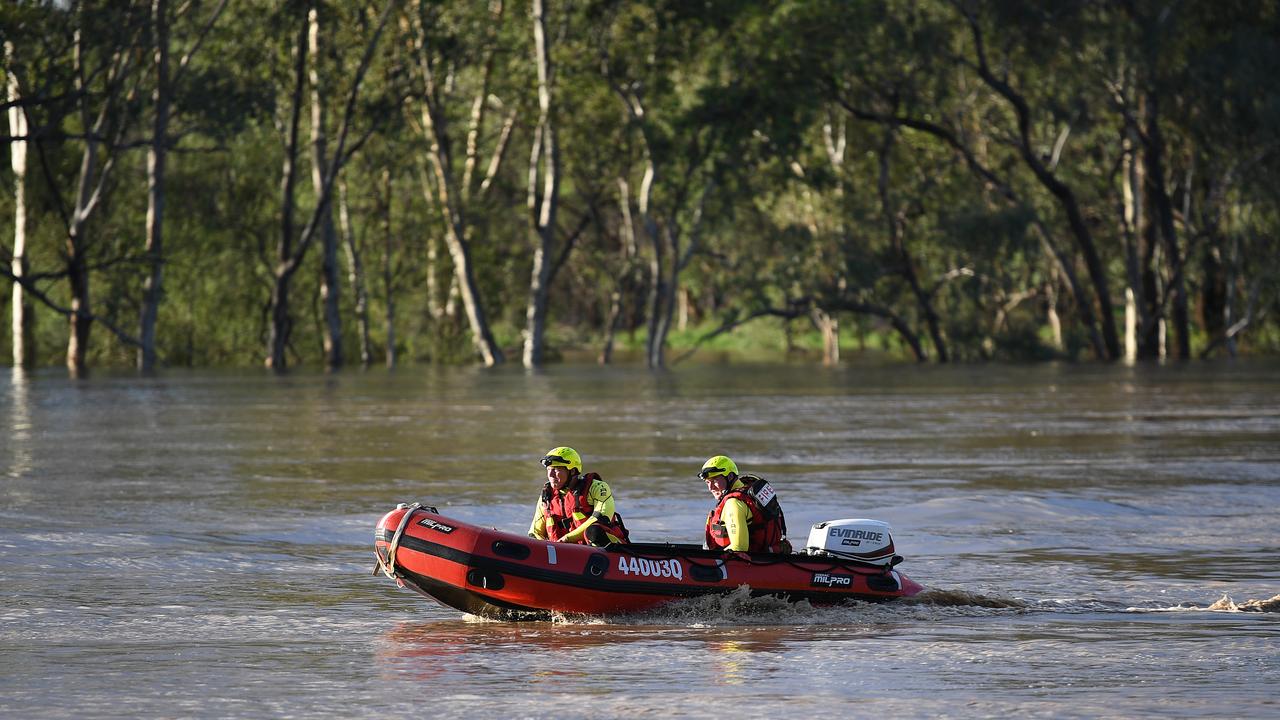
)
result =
(1098, 541)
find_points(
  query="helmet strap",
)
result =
(728, 485)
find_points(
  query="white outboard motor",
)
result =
(863, 540)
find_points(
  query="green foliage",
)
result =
(852, 155)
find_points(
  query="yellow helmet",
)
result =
(563, 457)
(718, 465)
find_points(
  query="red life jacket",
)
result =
(571, 508)
(766, 525)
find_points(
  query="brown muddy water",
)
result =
(1097, 541)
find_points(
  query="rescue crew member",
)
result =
(747, 516)
(575, 508)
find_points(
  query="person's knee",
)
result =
(597, 536)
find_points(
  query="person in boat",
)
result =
(575, 508)
(747, 516)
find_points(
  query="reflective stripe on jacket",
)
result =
(572, 507)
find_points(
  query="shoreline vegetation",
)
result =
(330, 183)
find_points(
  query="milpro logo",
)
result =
(829, 580)
(433, 525)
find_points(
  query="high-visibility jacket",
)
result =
(766, 525)
(565, 516)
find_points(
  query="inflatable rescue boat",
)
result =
(491, 573)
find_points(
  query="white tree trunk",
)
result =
(330, 286)
(1055, 322)
(829, 328)
(451, 191)
(1130, 326)
(355, 269)
(18, 265)
(545, 155)
(157, 154)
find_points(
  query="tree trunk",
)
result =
(542, 210)
(21, 311)
(653, 304)
(1130, 326)
(666, 302)
(896, 241)
(829, 328)
(435, 307)
(671, 261)
(388, 276)
(157, 154)
(622, 288)
(657, 285)
(1228, 304)
(355, 268)
(1143, 304)
(289, 258)
(1060, 190)
(1051, 312)
(469, 294)
(88, 193)
(1168, 234)
(282, 274)
(81, 316)
(1149, 344)
(1213, 289)
(453, 193)
(80, 319)
(610, 327)
(330, 286)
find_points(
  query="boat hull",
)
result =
(491, 573)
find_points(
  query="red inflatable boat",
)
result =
(487, 572)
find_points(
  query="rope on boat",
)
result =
(389, 568)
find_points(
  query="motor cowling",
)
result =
(868, 541)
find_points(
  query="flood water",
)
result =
(1098, 541)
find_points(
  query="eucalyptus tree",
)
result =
(452, 52)
(165, 80)
(19, 265)
(292, 244)
(657, 59)
(88, 96)
(336, 31)
(1225, 115)
(545, 202)
(907, 67)
(1041, 34)
(1195, 89)
(38, 76)
(830, 193)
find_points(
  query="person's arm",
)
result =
(538, 529)
(735, 517)
(601, 498)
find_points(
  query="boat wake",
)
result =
(740, 608)
(1269, 605)
(962, 598)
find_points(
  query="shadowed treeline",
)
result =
(361, 181)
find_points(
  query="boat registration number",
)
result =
(670, 567)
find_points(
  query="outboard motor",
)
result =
(863, 540)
